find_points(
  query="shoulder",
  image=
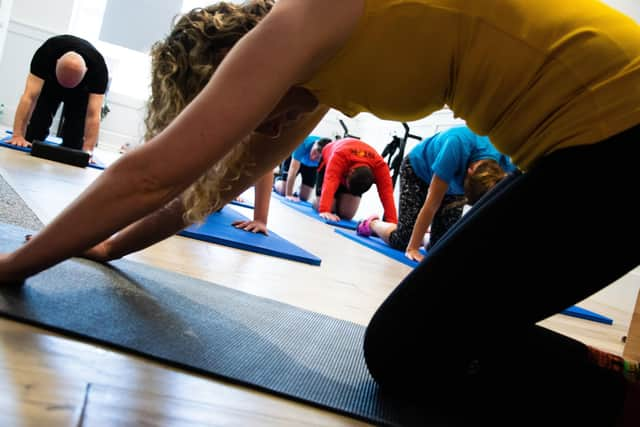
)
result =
(292, 19)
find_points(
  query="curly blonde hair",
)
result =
(181, 66)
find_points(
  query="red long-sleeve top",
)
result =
(340, 157)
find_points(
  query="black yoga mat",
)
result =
(209, 329)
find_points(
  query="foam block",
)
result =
(49, 141)
(61, 154)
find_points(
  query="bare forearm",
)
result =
(21, 118)
(91, 130)
(153, 228)
(263, 197)
(116, 199)
(133, 187)
(294, 168)
(425, 217)
(267, 153)
(290, 182)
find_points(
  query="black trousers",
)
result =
(462, 324)
(413, 193)
(73, 116)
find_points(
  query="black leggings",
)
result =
(73, 117)
(308, 173)
(413, 193)
(539, 242)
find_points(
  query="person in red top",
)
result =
(347, 170)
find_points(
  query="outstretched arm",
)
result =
(157, 226)
(437, 189)
(261, 209)
(27, 103)
(92, 122)
(294, 168)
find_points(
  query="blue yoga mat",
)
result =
(3, 143)
(306, 208)
(380, 246)
(218, 229)
(582, 313)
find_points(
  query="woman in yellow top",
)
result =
(555, 85)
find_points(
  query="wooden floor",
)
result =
(47, 379)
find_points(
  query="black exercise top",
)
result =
(43, 63)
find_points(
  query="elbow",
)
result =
(143, 181)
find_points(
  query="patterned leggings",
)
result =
(413, 193)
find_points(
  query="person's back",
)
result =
(354, 150)
(531, 88)
(303, 152)
(69, 70)
(303, 161)
(44, 61)
(449, 154)
(437, 178)
(339, 161)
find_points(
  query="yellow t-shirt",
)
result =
(533, 75)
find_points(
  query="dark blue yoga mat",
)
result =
(378, 245)
(582, 313)
(3, 143)
(211, 330)
(306, 208)
(218, 229)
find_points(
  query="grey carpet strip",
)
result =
(13, 210)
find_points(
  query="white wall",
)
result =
(21, 42)
(630, 7)
(52, 16)
(5, 15)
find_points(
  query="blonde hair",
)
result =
(484, 177)
(181, 65)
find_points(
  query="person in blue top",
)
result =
(437, 178)
(304, 161)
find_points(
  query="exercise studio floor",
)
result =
(48, 379)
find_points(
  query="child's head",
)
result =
(316, 149)
(481, 177)
(359, 180)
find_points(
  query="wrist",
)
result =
(413, 247)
